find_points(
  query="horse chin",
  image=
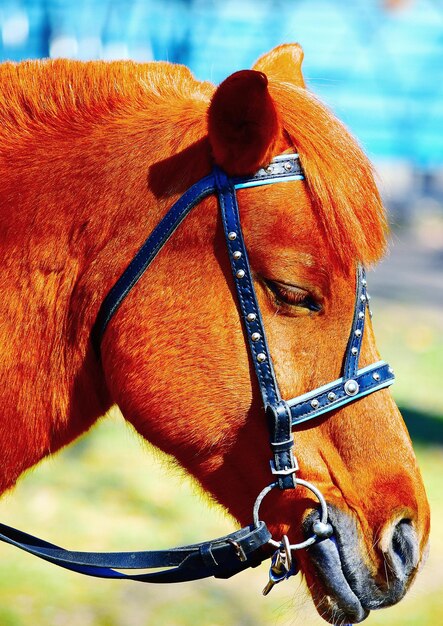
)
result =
(343, 586)
(332, 594)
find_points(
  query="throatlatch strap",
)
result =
(147, 253)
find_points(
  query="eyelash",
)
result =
(293, 296)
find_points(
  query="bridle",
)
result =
(229, 555)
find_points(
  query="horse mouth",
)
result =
(342, 584)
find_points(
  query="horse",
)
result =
(92, 156)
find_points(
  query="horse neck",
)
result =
(73, 211)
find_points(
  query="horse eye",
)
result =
(293, 296)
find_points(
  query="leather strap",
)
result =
(279, 416)
(353, 349)
(229, 555)
(147, 253)
(333, 395)
(355, 383)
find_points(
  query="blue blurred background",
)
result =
(379, 64)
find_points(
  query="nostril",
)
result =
(403, 551)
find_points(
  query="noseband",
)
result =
(229, 555)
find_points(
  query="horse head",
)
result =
(175, 355)
(176, 362)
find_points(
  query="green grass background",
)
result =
(109, 491)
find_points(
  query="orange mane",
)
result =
(41, 92)
(44, 95)
(339, 176)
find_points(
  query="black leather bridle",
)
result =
(229, 555)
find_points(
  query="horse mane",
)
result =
(50, 94)
(340, 177)
(41, 93)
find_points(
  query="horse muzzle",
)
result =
(345, 582)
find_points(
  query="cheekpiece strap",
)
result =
(247, 299)
(284, 464)
(353, 348)
(279, 416)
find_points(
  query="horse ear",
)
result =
(243, 124)
(283, 63)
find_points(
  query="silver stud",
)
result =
(357, 333)
(237, 255)
(361, 315)
(363, 297)
(251, 317)
(255, 336)
(354, 351)
(376, 376)
(364, 282)
(240, 273)
(315, 403)
(390, 370)
(351, 387)
(331, 396)
(288, 166)
(370, 314)
(269, 169)
(261, 357)
(232, 236)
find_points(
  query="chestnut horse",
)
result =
(92, 156)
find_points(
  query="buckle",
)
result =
(284, 472)
(239, 552)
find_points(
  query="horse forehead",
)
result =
(281, 217)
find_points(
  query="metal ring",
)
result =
(323, 516)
